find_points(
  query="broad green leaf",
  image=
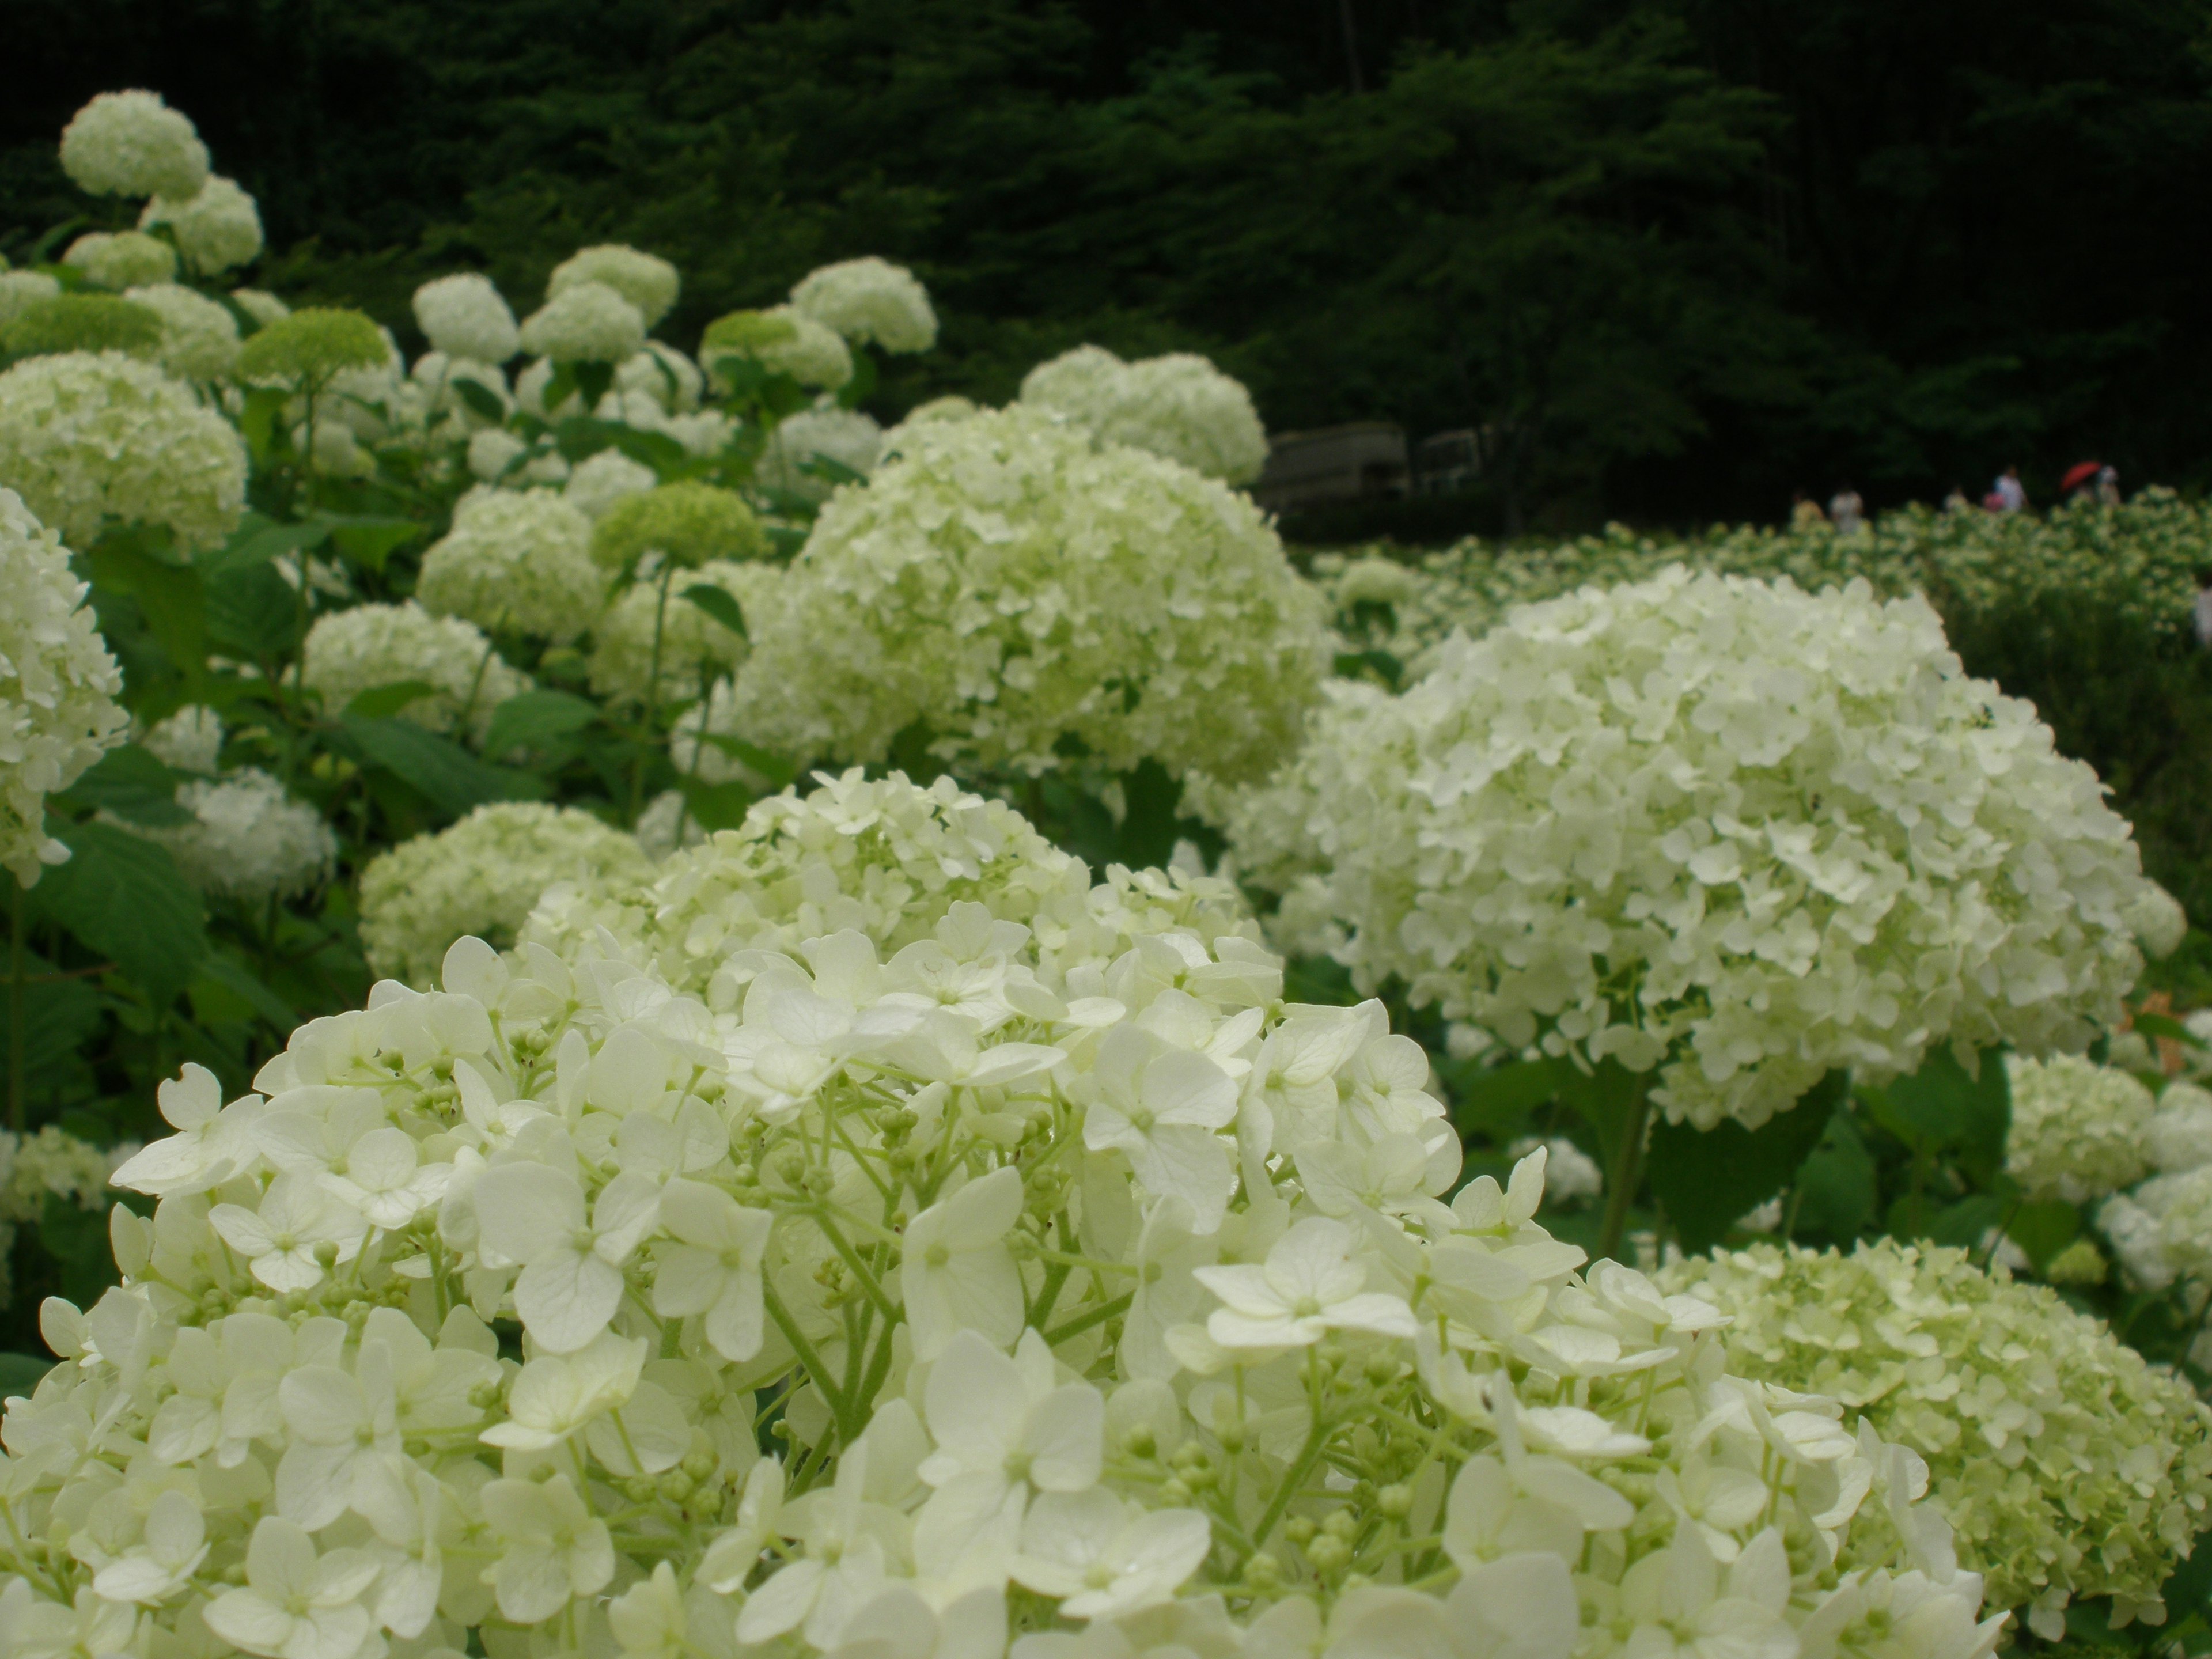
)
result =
(2045, 1229)
(1708, 1179)
(831, 471)
(252, 611)
(58, 1015)
(122, 897)
(77, 1239)
(258, 540)
(380, 700)
(131, 783)
(719, 603)
(479, 398)
(1835, 1186)
(717, 806)
(856, 391)
(452, 780)
(1606, 1098)
(1968, 1222)
(169, 596)
(1498, 1099)
(529, 719)
(21, 1373)
(241, 982)
(2159, 1025)
(1947, 1110)
(369, 542)
(778, 772)
(592, 380)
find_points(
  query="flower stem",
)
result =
(15, 1011)
(1626, 1174)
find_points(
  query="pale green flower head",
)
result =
(352, 651)
(1180, 406)
(249, 838)
(515, 562)
(310, 347)
(687, 522)
(199, 336)
(20, 288)
(82, 322)
(646, 281)
(785, 342)
(869, 301)
(464, 316)
(123, 259)
(2079, 1130)
(217, 230)
(584, 322)
(131, 143)
(694, 649)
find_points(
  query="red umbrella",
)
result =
(2080, 474)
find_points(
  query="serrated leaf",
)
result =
(169, 596)
(452, 780)
(529, 719)
(719, 603)
(1836, 1185)
(1498, 1099)
(122, 895)
(1709, 1179)
(236, 977)
(134, 785)
(252, 611)
(2160, 1025)
(1947, 1109)
(2045, 1229)
(379, 702)
(369, 542)
(479, 398)
(258, 540)
(778, 772)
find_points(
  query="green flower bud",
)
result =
(310, 346)
(688, 523)
(82, 322)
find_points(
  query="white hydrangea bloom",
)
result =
(349, 652)
(1009, 583)
(19, 289)
(646, 281)
(251, 841)
(199, 338)
(875, 1184)
(492, 453)
(786, 341)
(663, 373)
(600, 480)
(666, 826)
(464, 316)
(260, 304)
(1722, 828)
(869, 301)
(694, 650)
(190, 740)
(1180, 406)
(131, 143)
(2181, 1132)
(585, 322)
(217, 229)
(843, 435)
(515, 562)
(90, 440)
(2079, 1130)
(121, 260)
(439, 379)
(481, 876)
(1571, 1175)
(58, 686)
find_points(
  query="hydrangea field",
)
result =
(649, 1019)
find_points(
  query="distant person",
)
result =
(2108, 486)
(1847, 512)
(2079, 486)
(2008, 493)
(1956, 501)
(1804, 511)
(2205, 609)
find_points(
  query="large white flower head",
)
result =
(2079, 1130)
(199, 336)
(58, 686)
(191, 740)
(584, 322)
(1180, 406)
(647, 631)
(349, 652)
(783, 340)
(646, 281)
(1101, 1293)
(1727, 828)
(481, 876)
(664, 374)
(597, 483)
(464, 315)
(217, 229)
(131, 143)
(847, 437)
(122, 259)
(869, 301)
(515, 562)
(91, 441)
(249, 839)
(2065, 1464)
(1010, 584)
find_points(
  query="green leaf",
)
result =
(1837, 1185)
(169, 596)
(252, 611)
(236, 977)
(530, 718)
(831, 471)
(1498, 1099)
(1708, 1179)
(1948, 1110)
(369, 542)
(778, 772)
(260, 420)
(1967, 1222)
(2043, 1230)
(452, 780)
(258, 540)
(479, 398)
(59, 1016)
(1606, 1099)
(856, 391)
(2159, 1025)
(380, 700)
(132, 784)
(719, 603)
(593, 381)
(123, 897)
(77, 1239)
(578, 437)
(717, 806)
(21, 1373)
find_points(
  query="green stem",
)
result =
(15, 1011)
(651, 688)
(1626, 1174)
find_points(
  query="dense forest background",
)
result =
(1676, 258)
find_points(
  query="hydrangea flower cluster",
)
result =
(2065, 1464)
(1010, 584)
(684, 523)
(349, 652)
(481, 876)
(131, 143)
(647, 282)
(783, 341)
(1180, 406)
(464, 316)
(91, 441)
(869, 301)
(189, 740)
(584, 322)
(1726, 829)
(58, 687)
(516, 563)
(694, 650)
(250, 839)
(199, 336)
(51, 1164)
(122, 259)
(2079, 1130)
(916, 1300)
(217, 228)
(846, 436)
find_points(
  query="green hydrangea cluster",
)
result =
(2079, 1130)
(82, 322)
(515, 562)
(687, 522)
(313, 346)
(1009, 583)
(2067, 1465)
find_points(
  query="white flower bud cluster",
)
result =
(913, 1301)
(190, 740)
(349, 652)
(250, 839)
(1009, 585)
(58, 687)
(584, 322)
(121, 260)
(1180, 406)
(1726, 829)
(2079, 1130)
(515, 563)
(217, 229)
(647, 282)
(869, 301)
(464, 316)
(481, 876)
(96, 440)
